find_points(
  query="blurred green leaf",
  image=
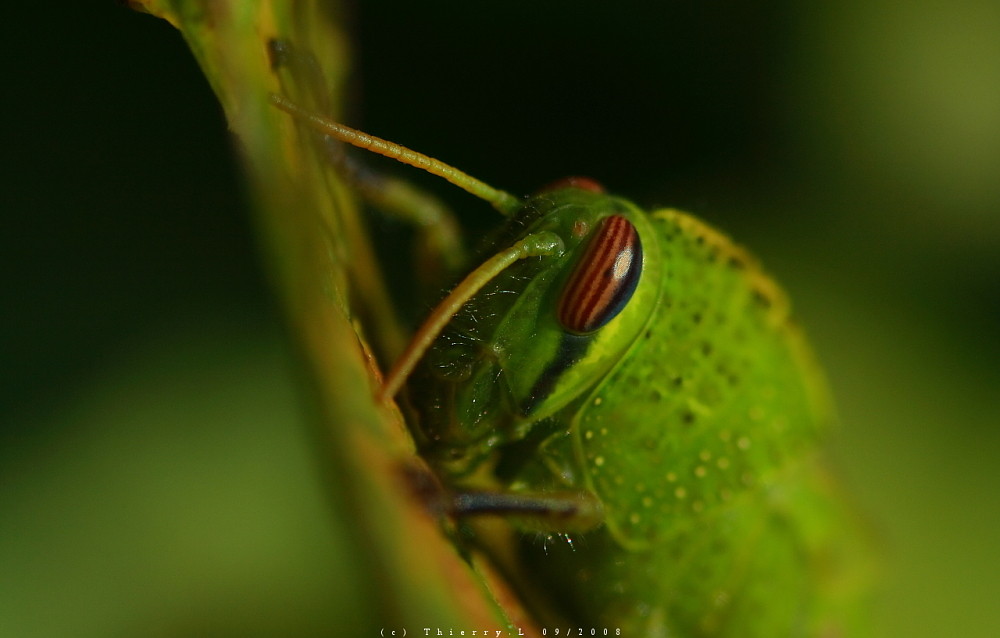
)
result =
(323, 268)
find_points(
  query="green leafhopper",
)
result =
(629, 391)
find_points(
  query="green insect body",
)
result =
(693, 417)
(632, 383)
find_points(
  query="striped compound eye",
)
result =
(604, 279)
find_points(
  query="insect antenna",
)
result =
(504, 202)
(535, 245)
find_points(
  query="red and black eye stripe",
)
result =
(604, 279)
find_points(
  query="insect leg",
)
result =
(551, 512)
(440, 252)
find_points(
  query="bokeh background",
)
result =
(156, 478)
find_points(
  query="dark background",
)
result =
(154, 477)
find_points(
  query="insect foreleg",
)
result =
(551, 512)
(440, 253)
